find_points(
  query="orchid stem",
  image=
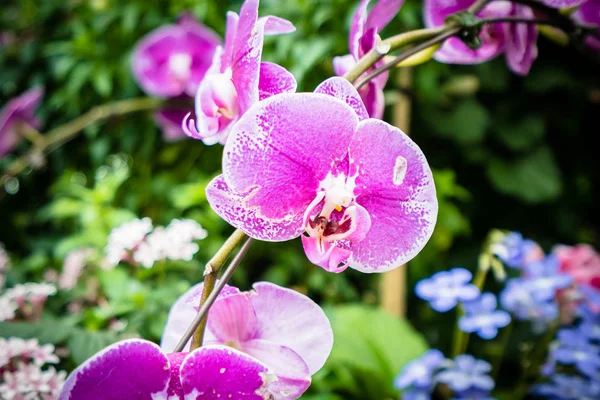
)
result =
(211, 272)
(58, 136)
(203, 311)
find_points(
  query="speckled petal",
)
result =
(130, 369)
(231, 207)
(220, 372)
(232, 319)
(292, 319)
(274, 79)
(280, 161)
(345, 91)
(293, 376)
(183, 312)
(396, 187)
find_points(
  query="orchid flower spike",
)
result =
(237, 78)
(516, 40)
(364, 36)
(358, 190)
(17, 113)
(280, 328)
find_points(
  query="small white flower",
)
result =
(126, 238)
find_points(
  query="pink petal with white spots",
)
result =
(293, 376)
(232, 319)
(220, 372)
(130, 369)
(345, 91)
(396, 187)
(233, 209)
(278, 160)
(274, 79)
(183, 312)
(291, 319)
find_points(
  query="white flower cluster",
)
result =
(23, 378)
(146, 246)
(72, 267)
(29, 298)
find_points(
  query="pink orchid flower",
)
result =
(138, 369)
(589, 13)
(237, 78)
(18, 112)
(364, 36)
(283, 329)
(359, 189)
(563, 3)
(517, 41)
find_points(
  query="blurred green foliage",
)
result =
(507, 152)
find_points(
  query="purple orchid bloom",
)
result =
(364, 36)
(172, 60)
(517, 41)
(360, 189)
(563, 3)
(545, 278)
(138, 369)
(482, 317)
(419, 373)
(283, 329)
(237, 78)
(446, 288)
(467, 373)
(589, 13)
(18, 112)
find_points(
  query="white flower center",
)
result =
(339, 193)
(180, 65)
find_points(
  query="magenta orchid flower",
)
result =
(589, 13)
(517, 41)
(563, 3)
(18, 112)
(280, 328)
(364, 36)
(172, 60)
(138, 369)
(237, 79)
(359, 189)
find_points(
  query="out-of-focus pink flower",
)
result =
(517, 41)
(582, 262)
(172, 60)
(312, 162)
(563, 3)
(364, 36)
(279, 327)
(18, 112)
(72, 267)
(27, 298)
(589, 13)
(237, 78)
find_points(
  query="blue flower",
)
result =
(545, 279)
(513, 250)
(517, 298)
(472, 394)
(419, 373)
(574, 348)
(483, 317)
(568, 387)
(445, 289)
(417, 394)
(467, 373)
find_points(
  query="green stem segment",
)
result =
(211, 273)
(62, 134)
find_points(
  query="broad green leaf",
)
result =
(48, 330)
(465, 124)
(521, 135)
(83, 344)
(534, 178)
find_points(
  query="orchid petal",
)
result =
(183, 312)
(358, 28)
(345, 91)
(373, 98)
(282, 161)
(230, 35)
(325, 254)
(563, 3)
(18, 110)
(274, 79)
(277, 26)
(293, 376)
(382, 13)
(170, 122)
(212, 372)
(343, 64)
(231, 207)
(589, 13)
(232, 319)
(521, 49)
(396, 187)
(130, 369)
(292, 319)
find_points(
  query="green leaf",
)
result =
(521, 135)
(188, 195)
(466, 124)
(375, 345)
(102, 81)
(48, 330)
(83, 344)
(534, 179)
